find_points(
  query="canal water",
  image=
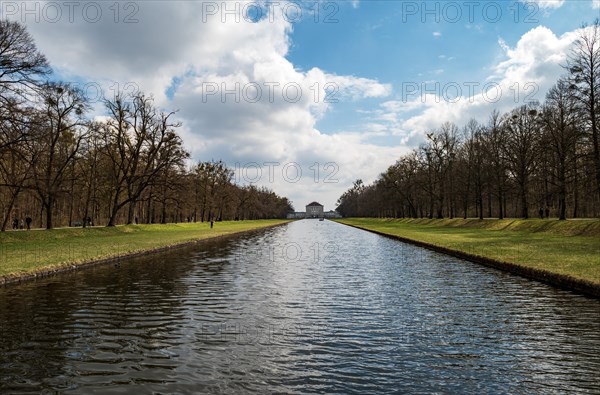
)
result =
(310, 307)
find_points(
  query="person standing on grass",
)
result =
(541, 213)
(28, 221)
(15, 224)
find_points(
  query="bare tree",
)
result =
(21, 64)
(57, 138)
(560, 136)
(140, 142)
(212, 179)
(584, 68)
(520, 146)
(439, 156)
(493, 146)
(90, 172)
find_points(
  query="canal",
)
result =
(310, 307)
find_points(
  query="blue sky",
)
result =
(378, 56)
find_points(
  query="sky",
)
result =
(307, 97)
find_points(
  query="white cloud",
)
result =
(596, 4)
(503, 45)
(527, 72)
(546, 4)
(437, 34)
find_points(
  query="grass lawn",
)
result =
(24, 252)
(569, 248)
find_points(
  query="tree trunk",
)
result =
(86, 209)
(71, 199)
(440, 209)
(131, 211)
(480, 201)
(597, 161)
(500, 205)
(562, 192)
(149, 210)
(49, 203)
(114, 211)
(203, 211)
(11, 203)
(594, 125)
(524, 208)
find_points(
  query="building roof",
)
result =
(314, 204)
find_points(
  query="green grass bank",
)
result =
(31, 254)
(562, 253)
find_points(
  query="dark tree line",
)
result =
(59, 167)
(535, 156)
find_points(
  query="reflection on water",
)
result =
(309, 307)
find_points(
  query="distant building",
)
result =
(314, 210)
(332, 214)
(296, 215)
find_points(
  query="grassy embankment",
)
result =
(545, 248)
(25, 253)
